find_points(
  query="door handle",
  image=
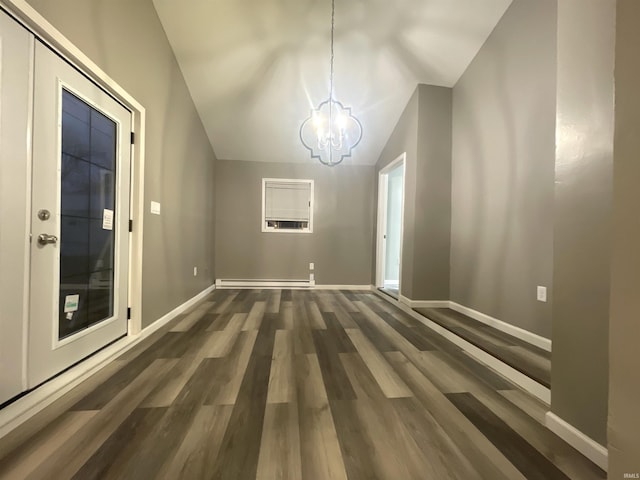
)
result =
(45, 239)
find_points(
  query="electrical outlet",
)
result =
(312, 276)
(195, 271)
(542, 294)
(155, 208)
(312, 266)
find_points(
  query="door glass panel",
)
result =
(87, 201)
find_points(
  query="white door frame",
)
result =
(383, 175)
(47, 353)
(16, 99)
(41, 28)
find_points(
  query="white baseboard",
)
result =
(15, 414)
(523, 381)
(263, 284)
(522, 334)
(342, 287)
(578, 440)
(177, 311)
(288, 284)
(529, 337)
(528, 384)
(424, 303)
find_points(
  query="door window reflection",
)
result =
(87, 178)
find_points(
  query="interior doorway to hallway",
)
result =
(390, 226)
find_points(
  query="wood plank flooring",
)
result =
(524, 357)
(302, 385)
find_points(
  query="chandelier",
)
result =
(331, 132)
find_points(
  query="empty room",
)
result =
(319, 239)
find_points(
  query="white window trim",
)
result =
(266, 229)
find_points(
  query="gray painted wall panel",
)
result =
(126, 40)
(503, 170)
(432, 242)
(404, 138)
(624, 328)
(341, 244)
(424, 133)
(582, 214)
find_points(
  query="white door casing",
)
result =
(382, 223)
(16, 55)
(48, 354)
(382, 229)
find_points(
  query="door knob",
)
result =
(45, 239)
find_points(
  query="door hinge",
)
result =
(133, 138)
(128, 313)
(131, 225)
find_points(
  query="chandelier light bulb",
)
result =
(331, 132)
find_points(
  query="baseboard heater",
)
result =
(231, 283)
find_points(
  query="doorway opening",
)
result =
(390, 227)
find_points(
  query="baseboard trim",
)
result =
(288, 284)
(522, 334)
(26, 407)
(528, 384)
(263, 284)
(578, 440)
(342, 287)
(424, 303)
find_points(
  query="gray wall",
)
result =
(403, 139)
(432, 230)
(503, 170)
(340, 245)
(126, 40)
(624, 328)
(582, 214)
(424, 133)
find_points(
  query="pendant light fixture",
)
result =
(331, 132)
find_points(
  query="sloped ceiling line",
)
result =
(256, 67)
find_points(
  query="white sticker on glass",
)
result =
(71, 303)
(107, 219)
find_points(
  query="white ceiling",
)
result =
(255, 68)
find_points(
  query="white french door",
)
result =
(79, 218)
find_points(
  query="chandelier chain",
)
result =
(333, 16)
(324, 137)
(333, 19)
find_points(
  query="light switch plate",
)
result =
(195, 271)
(155, 208)
(542, 294)
(312, 276)
(312, 266)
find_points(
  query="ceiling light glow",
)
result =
(331, 132)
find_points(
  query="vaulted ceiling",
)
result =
(255, 68)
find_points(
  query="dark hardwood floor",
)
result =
(528, 359)
(296, 384)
